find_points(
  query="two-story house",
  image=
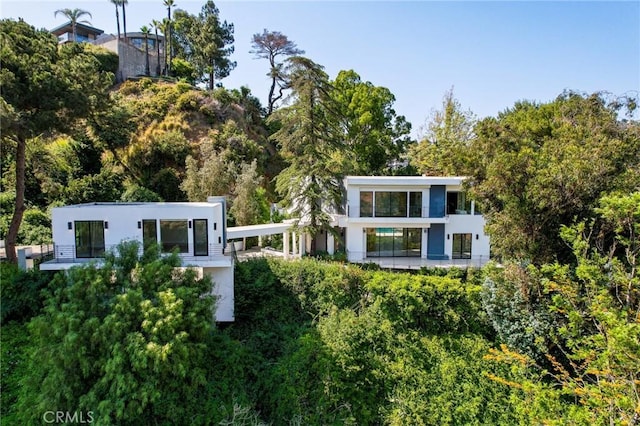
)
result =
(419, 217)
(84, 232)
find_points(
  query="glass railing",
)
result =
(69, 253)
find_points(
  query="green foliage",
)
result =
(105, 186)
(108, 60)
(446, 140)
(311, 184)
(249, 204)
(593, 305)
(375, 136)
(14, 351)
(206, 42)
(183, 70)
(127, 340)
(137, 193)
(546, 165)
(36, 228)
(368, 348)
(512, 298)
(21, 293)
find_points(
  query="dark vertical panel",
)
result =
(437, 198)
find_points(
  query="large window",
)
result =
(174, 234)
(89, 238)
(366, 204)
(458, 203)
(200, 237)
(149, 233)
(415, 204)
(393, 242)
(461, 246)
(391, 204)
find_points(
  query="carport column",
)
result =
(295, 244)
(285, 244)
(331, 244)
(303, 238)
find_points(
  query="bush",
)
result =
(21, 291)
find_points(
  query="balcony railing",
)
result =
(417, 262)
(68, 253)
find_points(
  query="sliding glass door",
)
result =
(393, 242)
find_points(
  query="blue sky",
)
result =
(492, 53)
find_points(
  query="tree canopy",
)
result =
(31, 64)
(206, 41)
(270, 45)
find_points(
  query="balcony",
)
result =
(417, 262)
(65, 256)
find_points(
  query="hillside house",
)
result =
(83, 233)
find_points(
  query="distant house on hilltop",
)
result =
(130, 50)
(84, 33)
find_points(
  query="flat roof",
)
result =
(404, 180)
(257, 230)
(79, 26)
(98, 205)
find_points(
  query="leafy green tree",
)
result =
(374, 135)
(446, 141)
(137, 193)
(208, 175)
(74, 16)
(126, 340)
(31, 64)
(594, 305)
(311, 185)
(249, 205)
(544, 165)
(270, 45)
(183, 70)
(207, 43)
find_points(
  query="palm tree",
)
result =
(164, 27)
(117, 3)
(169, 4)
(73, 15)
(123, 3)
(146, 31)
(156, 25)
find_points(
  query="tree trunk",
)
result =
(147, 71)
(124, 21)
(158, 52)
(118, 22)
(16, 220)
(211, 76)
(273, 88)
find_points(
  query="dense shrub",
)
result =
(21, 292)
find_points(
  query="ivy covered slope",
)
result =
(314, 343)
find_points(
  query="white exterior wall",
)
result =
(468, 224)
(224, 293)
(123, 218)
(354, 224)
(123, 221)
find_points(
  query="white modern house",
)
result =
(425, 218)
(82, 233)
